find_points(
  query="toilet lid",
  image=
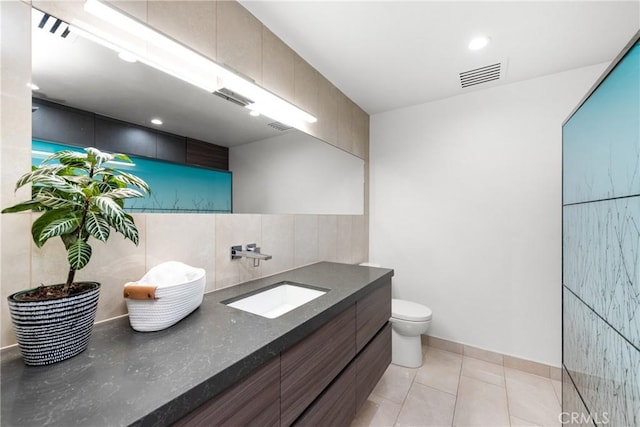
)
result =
(407, 310)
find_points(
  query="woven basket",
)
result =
(165, 295)
(53, 330)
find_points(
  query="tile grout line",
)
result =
(413, 380)
(506, 392)
(455, 405)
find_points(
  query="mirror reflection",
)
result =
(276, 169)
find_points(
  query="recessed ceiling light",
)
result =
(156, 121)
(127, 57)
(478, 43)
(33, 86)
(254, 113)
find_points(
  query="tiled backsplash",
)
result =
(200, 240)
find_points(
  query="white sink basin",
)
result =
(276, 301)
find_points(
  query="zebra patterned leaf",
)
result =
(108, 207)
(123, 193)
(39, 172)
(54, 201)
(97, 226)
(78, 254)
(128, 229)
(59, 227)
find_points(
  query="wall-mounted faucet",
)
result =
(252, 251)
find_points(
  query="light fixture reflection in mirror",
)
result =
(183, 62)
(87, 76)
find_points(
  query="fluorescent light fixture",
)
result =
(185, 64)
(192, 76)
(127, 57)
(33, 86)
(156, 121)
(254, 113)
(478, 43)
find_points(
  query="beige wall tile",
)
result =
(16, 266)
(15, 96)
(277, 65)
(328, 237)
(359, 126)
(527, 366)
(172, 237)
(305, 86)
(359, 239)
(277, 241)
(15, 154)
(306, 93)
(190, 22)
(236, 229)
(481, 354)
(135, 8)
(481, 404)
(345, 137)
(446, 345)
(345, 238)
(305, 240)
(327, 114)
(239, 39)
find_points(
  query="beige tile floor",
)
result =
(455, 390)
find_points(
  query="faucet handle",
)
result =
(252, 247)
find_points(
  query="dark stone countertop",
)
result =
(154, 378)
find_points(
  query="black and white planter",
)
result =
(54, 330)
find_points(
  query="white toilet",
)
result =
(409, 320)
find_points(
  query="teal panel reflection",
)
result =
(175, 188)
(601, 150)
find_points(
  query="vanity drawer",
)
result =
(336, 406)
(372, 312)
(371, 364)
(255, 401)
(311, 365)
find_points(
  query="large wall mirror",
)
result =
(274, 170)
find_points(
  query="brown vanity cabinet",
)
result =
(336, 407)
(254, 401)
(371, 364)
(372, 313)
(321, 380)
(309, 367)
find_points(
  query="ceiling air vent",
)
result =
(50, 23)
(480, 75)
(232, 96)
(280, 126)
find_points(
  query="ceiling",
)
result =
(389, 55)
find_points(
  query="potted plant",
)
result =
(81, 197)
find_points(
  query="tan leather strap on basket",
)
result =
(140, 292)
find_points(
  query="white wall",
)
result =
(466, 207)
(296, 173)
